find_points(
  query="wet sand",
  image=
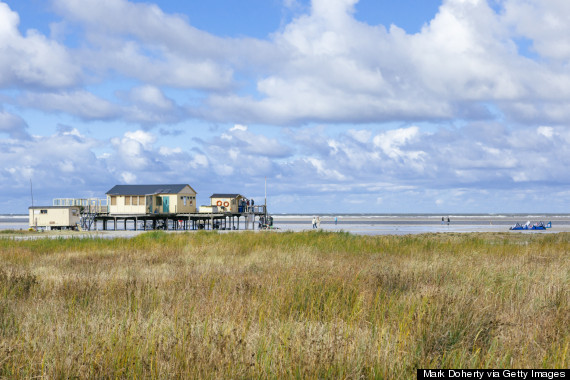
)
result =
(361, 225)
(399, 225)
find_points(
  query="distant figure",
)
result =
(314, 222)
(261, 222)
(442, 220)
(252, 202)
(335, 220)
(448, 221)
(318, 222)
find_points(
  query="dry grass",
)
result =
(265, 305)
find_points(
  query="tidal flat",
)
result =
(308, 304)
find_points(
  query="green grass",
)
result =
(273, 305)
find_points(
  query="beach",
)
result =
(369, 224)
(402, 224)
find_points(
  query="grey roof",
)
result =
(52, 207)
(225, 196)
(145, 189)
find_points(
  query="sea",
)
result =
(380, 224)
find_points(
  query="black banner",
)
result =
(483, 374)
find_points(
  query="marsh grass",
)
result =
(295, 305)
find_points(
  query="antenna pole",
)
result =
(32, 192)
(265, 199)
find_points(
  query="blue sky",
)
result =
(426, 106)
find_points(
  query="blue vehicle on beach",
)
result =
(528, 226)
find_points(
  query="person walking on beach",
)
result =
(314, 222)
(335, 220)
(448, 221)
(318, 222)
(442, 220)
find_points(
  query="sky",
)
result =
(341, 106)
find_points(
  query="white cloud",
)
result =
(140, 41)
(323, 66)
(128, 177)
(457, 166)
(151, 96)
(146, 105)
(394, 143)
(13, 125)
(337, 69)
(238, 127)
(134, 151)
(362, 135)
(82, 104)
(200, 160)
(545, 131)
(324, 170)
(146, 139)
(544, 23)
(238, 141)
(32, 60)
(467, 105)
(166, 151)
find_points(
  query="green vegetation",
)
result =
(273, 305)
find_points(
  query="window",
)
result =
(127, 201)
(135, 201)
(113, 201)
(141, 201)
(43, 211)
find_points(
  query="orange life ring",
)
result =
(226, 204)
(219, 203)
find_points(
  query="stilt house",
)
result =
(151, 199)
(227, 202)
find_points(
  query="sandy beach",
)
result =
(364, 224)
(414, 224)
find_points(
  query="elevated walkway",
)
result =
(179, 221)
(90, 208)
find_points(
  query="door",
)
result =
(149, 204)
(165, 208)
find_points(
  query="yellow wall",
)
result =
(175, 203)
(231, 202)
(178, 201)
(120, 206)
(54, 217)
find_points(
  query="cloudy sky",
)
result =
(373, 106)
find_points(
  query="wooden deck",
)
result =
(177, 221)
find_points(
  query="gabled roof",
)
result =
(146, 189)
(225, 196)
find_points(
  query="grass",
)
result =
(273, 305)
